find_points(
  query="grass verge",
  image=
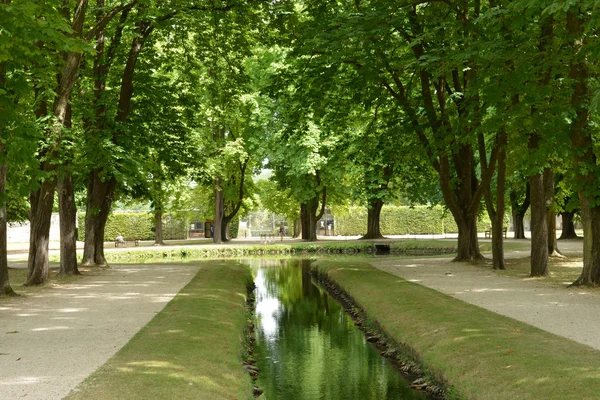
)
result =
(192, 349)
(479, 354)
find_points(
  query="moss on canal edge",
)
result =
(249, 338)
(401, 356)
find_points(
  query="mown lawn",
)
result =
(480, 354)
(191, 350)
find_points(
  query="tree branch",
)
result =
(107, 18)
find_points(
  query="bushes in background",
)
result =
(403, 221)
(234, 227)
(140, 226)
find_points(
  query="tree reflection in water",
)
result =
(308, 348)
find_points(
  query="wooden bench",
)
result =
(267, 237)
(136, 242)
(488, 233)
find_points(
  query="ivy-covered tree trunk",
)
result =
(568, 227)
(373, 220)
(518, 212)
(539, 227)
(68, 223)
(5, 288)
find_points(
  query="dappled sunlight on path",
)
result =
(54, 338)
(570, 312)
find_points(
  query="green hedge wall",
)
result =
(234, 227)
(137, 226)
(403, 221)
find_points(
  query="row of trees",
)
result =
(483, 92)
(116, 99)
(464, 102)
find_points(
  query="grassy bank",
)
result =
(403, 247)
(191, 350)
(479, 354)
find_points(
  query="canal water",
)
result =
(308, 348)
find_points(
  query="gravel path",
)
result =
(573, 313)
(53, 339)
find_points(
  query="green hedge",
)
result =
(403, 221)
(137, 226)
(234, 227)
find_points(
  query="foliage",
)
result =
(403, 221)
(234, 227)
(139, 225)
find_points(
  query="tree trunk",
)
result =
(98, 205)
(568, 227)
(309, 216)
(518, 225)
(373, 219)
(297, 227)
(463, 201)
(590, 274)
(304, 221)
(41, 201)
(225, 229)
(551, 214)
(158, 228)
(518, 212)
(497, 216)
(539, 227)
(5, 288)
(218, 219)
(68, 224)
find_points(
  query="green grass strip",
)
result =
(480, 354)
(190, 350)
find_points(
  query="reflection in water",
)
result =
(308, 348)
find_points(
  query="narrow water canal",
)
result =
(308, 348)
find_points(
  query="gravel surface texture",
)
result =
(53, 339)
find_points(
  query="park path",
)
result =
(573, 313)
(54, 338)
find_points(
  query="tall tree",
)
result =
(42, 199)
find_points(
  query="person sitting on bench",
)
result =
(119, 239)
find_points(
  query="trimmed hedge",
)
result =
(403, 221)
(138, 225)
(408, 248)
(234, 227)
